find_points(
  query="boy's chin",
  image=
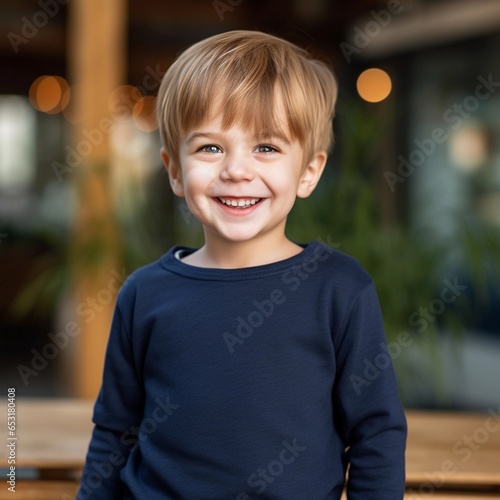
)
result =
(230, 236)
(236, 239)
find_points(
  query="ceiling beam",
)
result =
(428, 25)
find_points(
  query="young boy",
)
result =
(231, 369)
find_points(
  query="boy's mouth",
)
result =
(239, 202)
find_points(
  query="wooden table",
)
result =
(52, 438)
(450, 456)
(447, 450)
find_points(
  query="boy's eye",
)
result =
(209, 148)
(266, 148)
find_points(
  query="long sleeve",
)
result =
(117, 415)
(373, 425)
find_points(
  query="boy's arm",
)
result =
(117, 415)
(367, 403)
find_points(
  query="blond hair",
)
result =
(244, 76)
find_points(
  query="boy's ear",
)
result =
(312, 174)
(174, 173)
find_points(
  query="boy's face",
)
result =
(239, 186)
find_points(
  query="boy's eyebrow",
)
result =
(272, 136)
(255, 137)
(195, 135)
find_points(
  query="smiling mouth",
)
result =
(239, 203)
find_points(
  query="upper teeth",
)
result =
(240, 203)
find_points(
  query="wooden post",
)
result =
(96, 60)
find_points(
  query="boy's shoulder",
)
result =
(146, 275)
(342, 268)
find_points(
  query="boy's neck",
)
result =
(222, 254)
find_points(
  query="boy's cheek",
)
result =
(201, 172)
(197, 177)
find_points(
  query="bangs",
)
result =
(246, 93)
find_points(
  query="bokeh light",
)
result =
(50, 94)
(144, 114)
(468, 146)
(374, 85)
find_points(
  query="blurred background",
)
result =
(412, 188)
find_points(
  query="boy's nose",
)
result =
(237, 170)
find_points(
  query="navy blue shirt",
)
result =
(237, 384)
